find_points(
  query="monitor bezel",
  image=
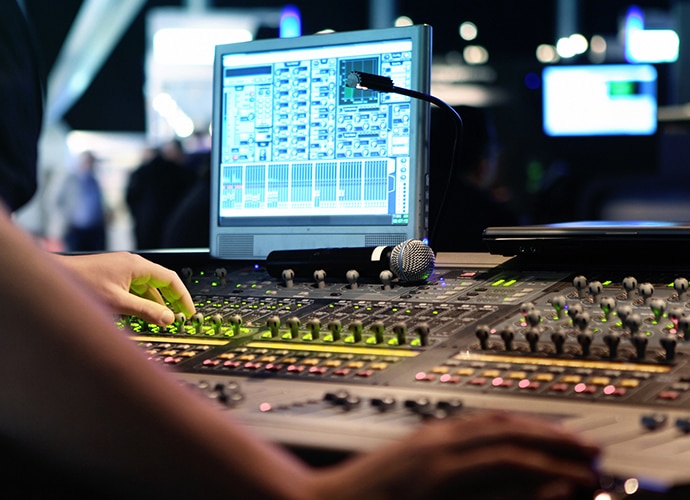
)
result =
(349, 233)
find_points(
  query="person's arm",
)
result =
(77, 393)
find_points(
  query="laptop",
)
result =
(589, 237)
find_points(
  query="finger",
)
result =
(534, 432)
(170, 286)
(145, 308)
(147, 292)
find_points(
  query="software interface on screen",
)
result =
(303, 160)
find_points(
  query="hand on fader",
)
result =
(130, 284)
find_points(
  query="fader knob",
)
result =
(646, 290)
(314, 327)
(320, 278)
(633, 323)
(400, 331)
(235, 321)
(335, 327)
(356, 328)
(216, 323)
(288, 276)
(198, 322)
(669, 343)
(640, 342)
(624, 311)
(273, 324)
(581, 321)
(383, 404)
(386, 277)
(658, 307)
(293, 324)
(526, 307)
(612, 340)
(422, 331)
(680, 285)
(508, 335)
(222, 274)
(352, 277)
(629, 285)
(482, 332)
(186, 273)
(575, 310)
(533, 317)
(580, 283)
(684, 327)
(559, 303)
(674, 315)
(377, 328)
(532, 336)
(558, 339)
(595, 289)
(607, 305)
(179, 321)
(584, 338)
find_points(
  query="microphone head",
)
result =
(412, 261)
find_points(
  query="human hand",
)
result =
(133, 285)
(488, 455)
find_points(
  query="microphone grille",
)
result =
(412, 261)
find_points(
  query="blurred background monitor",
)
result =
(600, 100)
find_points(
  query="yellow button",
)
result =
(600, 381)
(439, 370)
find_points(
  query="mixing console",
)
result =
(344, 366)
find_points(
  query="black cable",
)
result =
(367, 81)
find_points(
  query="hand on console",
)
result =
(131, 284)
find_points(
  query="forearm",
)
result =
(78, 393)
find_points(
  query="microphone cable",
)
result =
(368, 81)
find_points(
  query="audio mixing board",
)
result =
(341, 366)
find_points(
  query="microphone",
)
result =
(410, 261)
(378, 83)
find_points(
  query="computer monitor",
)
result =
(600, 100)
(299, 160)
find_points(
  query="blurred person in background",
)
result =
(81, 201)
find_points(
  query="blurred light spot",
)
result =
(631, 486)
(403, 21)
(193, 46)
(547, 54)
(597, 44)
(180, 122)
(290, 22)
(571, 46)
(532, 81)
(475, 54)
(468, 31)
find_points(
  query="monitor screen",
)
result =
(599, 100)
(299, 160)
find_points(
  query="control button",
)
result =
(653, 421)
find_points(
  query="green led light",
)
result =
(510, 283)
(498, 283)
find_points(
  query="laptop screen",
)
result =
(302, 161)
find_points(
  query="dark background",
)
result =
(510, 30)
